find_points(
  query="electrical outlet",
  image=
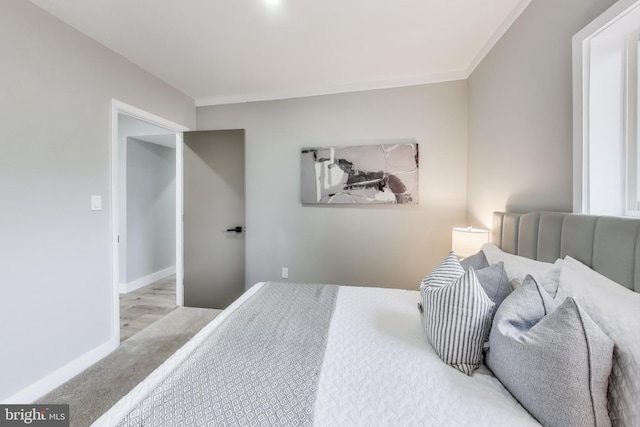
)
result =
(285, 273)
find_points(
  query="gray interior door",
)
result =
(214, 202)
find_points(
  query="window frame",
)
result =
(632, 124)
(581, 111)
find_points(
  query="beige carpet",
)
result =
(95, 390)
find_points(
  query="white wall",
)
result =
(151, 209)
(55, 114)
(390, 246)
(520, 113)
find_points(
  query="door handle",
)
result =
(237, 229)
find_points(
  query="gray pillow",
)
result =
(495, 282)
(557, 364)
(477, 261)
(457, 318)
(518, 267)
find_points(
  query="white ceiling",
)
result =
(226, 51)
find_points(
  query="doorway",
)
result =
(155, 149)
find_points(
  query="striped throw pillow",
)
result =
(457, 320)
(445, 273)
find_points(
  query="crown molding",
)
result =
(497, 35)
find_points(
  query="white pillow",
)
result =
(518, 267)
(616, 310)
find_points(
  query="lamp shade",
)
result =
(466, 241)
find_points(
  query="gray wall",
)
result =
(389, 246)
(151, 208)
(129, 127)
(55, 115)
(520, 113)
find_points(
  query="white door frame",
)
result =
(117, 108)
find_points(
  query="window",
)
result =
(606, 113)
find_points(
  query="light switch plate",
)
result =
(96, 203)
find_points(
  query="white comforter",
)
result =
(378, 370)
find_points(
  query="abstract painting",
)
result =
(386, 173)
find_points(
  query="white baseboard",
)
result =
(147, 280)
(60, 376)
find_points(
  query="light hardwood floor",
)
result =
(142, 307)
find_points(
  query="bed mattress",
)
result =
(378, 368)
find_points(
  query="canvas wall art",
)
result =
(386, 173)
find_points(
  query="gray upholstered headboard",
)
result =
(609, 245)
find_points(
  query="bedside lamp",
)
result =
(466, 241)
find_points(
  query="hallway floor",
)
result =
(144, 306)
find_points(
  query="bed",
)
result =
(327, 355)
